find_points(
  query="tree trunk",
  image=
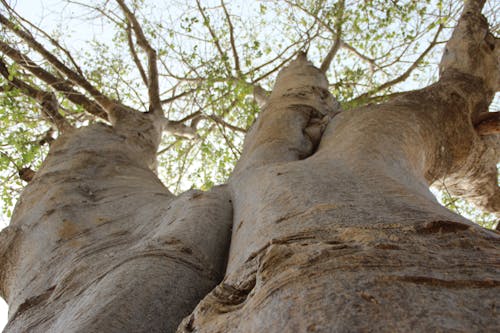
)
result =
(333, 225)
(351, 240)
(98, 244)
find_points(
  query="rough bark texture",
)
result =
(333, 225)
(98, 244)
(364, 246)
(350, 239)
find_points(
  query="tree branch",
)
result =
(488, 123)
(46, 35)
(275, 69)
(232, 41)
(152, 80)
(472, 49)
(221, 121)
(350, 48)
(406, 74)
(235, 151)
(267, 63)
(331, 54)
(135, 58)
(173, 98)
(473, 52)
(215, 39)
(47, 100)
(61, 85)
(106, 103)
(338, 41)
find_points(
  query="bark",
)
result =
(351, 239)
(334, 228)
(348, 238)
(98, 244)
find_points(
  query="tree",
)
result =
(326, 222)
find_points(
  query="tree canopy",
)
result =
(208, 65)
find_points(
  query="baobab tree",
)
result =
(325, 224)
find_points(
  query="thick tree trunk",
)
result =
(98, 244)
(333, 226)
(350, 239)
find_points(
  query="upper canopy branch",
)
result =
(105, 102)
(51, 39)
(142, 41)
(337, 32)
(135, 57)
(232, 40)
(338, 38)
(47, 100)
(102, 105)
(215, 38)
(408, 71)
(61, 85)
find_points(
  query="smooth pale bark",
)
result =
(333, 226)
(349, 238)
(98, 244)
(352, 240)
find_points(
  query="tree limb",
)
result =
(61, 85)
(350, 48)
(135, 58)
(142, 41)
(232, 41)
(338, 41)
(221, 121)
(173, 98)
(215, 39)
(275, 69)
(105, 102)
(407, 73)
(472, 49)
(488, 123)
(46, 35)
(47, 100)
(267, 63)
(473, 52)
(331, 54)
